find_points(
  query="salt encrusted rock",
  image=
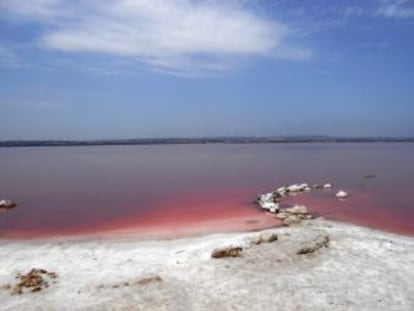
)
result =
(277, 196)
(7, 204)
(321, 241)
(270, 202)
(298, 188)
(282, 215)
(282, 190)
(341, 194)
(294, 188)
(267, 237)
(267, 202)
(274, 209)
(297, 209)
(229, 251)
(269, 206)
(327, 186)
(291, 220)
(266, 197)
(264, 237)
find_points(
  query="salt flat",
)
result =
(358, 269)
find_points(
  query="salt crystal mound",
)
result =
(342, 194)
(270, 201)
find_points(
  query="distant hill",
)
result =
(204, 140)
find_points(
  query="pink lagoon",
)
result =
(180, 190)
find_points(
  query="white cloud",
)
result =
(397, 8)
(179, 36)
(33, 8)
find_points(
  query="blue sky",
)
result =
(168, 68)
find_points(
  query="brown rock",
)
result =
(36, 289)
(230, 251)
(35, 280)
(320, 242)
(17, 290)
(277, 197)
(264, 237)
(150, 279)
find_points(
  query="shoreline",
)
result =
(239, 224)
(126, 273)
(224, 225)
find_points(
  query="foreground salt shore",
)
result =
(317, 265)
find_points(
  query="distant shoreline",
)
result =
(214, 140)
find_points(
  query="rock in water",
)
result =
(274, 209)
(267, 202)
(270, 206)
(341, 194)
(327, 186)
(7, 204)
(282, 190)
(267, 197)
(297, 209)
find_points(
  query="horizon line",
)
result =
(203, 140)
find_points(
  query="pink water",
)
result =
(186, 189)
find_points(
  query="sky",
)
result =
(107, 69)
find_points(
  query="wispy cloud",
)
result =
(36, 9)
(397, 9)
(176, 36)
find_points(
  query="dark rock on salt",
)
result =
(149, 279)
(230, 251)
(318, 243)
(35, 281)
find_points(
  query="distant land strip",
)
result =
(207, 140)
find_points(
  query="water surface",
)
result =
(77, 190)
